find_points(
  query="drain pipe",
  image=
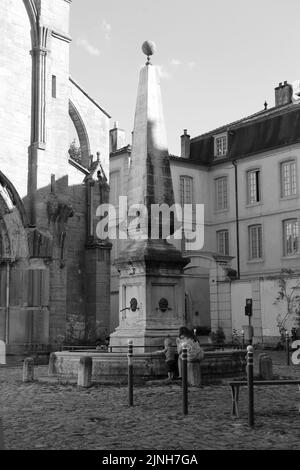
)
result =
(234, 162)
(7, 303)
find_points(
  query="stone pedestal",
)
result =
(151, 295)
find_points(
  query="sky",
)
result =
(218, 60)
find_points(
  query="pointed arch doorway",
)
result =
(24, 276)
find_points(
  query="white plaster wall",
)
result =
(204, 193)
(270, 212)
(270, 311)
(200, 192)
(240, 291)
(225, 219)
(197, 288)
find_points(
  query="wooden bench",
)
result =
(235, 389)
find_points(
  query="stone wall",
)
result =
(15, 92)
(94, 126)
(55, 14)
(34, 156)
(76, 295)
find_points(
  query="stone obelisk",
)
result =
(151, 284)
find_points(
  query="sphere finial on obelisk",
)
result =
(148, 49)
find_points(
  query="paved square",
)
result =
(43, 416)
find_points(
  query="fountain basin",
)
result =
(113, 367)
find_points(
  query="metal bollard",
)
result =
(28, 369)
(130, 372)
(84, 378)
(250, 385)
(243, 339)
(51, 365)
(287, 348)
(2, 446)
(184, 380)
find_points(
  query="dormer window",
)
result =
(220, 145)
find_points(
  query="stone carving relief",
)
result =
(163, 305)
(59, 211)
(103, 184)
(133, 305)
(4, 242)
(13, 238)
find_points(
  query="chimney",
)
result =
(283, 94)
(185, 145)
(116, 138)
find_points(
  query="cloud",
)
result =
(163, 73)
(186, 65)
(87, 46)
(191, 65)
(175, 62)
(106, 28)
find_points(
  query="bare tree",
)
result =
(289, 295)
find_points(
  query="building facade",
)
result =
(50, 258)
(247, 175)
(55, 271)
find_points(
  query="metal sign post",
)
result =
(130, 373)
(248, 313)
(184, 380)
(243, 339)
(2, 446)
(287, 348)
(250, 385)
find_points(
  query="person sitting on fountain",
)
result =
(194, 350)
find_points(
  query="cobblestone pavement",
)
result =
(51, 416)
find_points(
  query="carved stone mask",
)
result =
(163, 304)
(133, 304)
